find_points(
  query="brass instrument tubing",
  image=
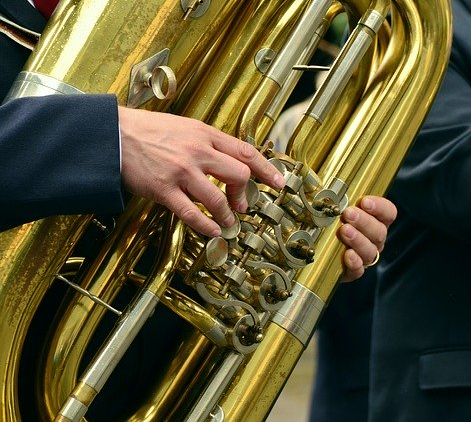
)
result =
(276, 106)
(261, 379)
(372, 20)
(22, 288)
(218, 384)
(103, 365)
(320, 279)
(190, 311)
(196, 315)
(221, 86)
(67, 49)
(129, 325)
(344, 66)
(298, 40)
(379, 134)
(425, 55)
(104, 278)
(171, 251)
(173, 392)
(380, 109)
(342, 70)
(216, 388)
(281, 68)
(324, 135)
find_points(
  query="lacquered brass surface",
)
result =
(356, 131)
(71, 51)
(25, 276)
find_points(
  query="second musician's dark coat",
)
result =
(421, 338)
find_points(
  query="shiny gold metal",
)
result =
(233, 66)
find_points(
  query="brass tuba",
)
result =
(261, 287)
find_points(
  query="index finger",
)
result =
(248, 154)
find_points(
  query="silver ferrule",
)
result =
(30, 84)
(373, 20)
(73, 409)
(300, 313)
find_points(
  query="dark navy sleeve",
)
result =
(59, 155)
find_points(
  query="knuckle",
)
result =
(161, 193)
(201, 134)
(381, 236)
(232, 194)
(244, 173)
(188, 215)
(247, 151)
(197, 147)
(241, 173)
(217, 201)
(182, 172)
(197, 125)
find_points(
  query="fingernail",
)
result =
(216, 232)
(351, 214)
(279, 181)
(367, 204)
(242, 206)
(349, 232)
(353, 259)
(229, 220)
